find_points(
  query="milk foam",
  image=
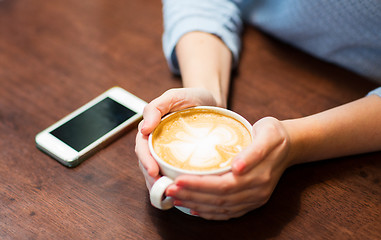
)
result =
(201, 142)
(198, 146)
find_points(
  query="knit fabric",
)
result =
(376, 91)
(344, 32)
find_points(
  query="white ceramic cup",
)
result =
(169, 172)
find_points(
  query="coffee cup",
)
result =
(195, 141)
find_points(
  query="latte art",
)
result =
(199, 140)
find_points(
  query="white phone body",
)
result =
(78, 135)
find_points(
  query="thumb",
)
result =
(151, 118)
(169, 101)
(264, 142)
(246, 160)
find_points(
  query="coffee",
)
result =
(199, 139)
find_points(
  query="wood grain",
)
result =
(57, 55)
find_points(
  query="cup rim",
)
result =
(227, 112)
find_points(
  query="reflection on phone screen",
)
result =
(92, 124)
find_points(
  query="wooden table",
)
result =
(57, 55)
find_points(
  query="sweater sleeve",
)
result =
(376, 91)
(219, 17)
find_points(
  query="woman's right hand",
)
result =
(170, 101)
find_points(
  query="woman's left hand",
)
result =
(255, 173)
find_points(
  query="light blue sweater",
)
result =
(343, 32)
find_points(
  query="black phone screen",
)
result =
(92, 124)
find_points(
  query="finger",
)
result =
(144, 155)
(265, 139)
(215, 207)
(214, 200)
(148, 179)
(157, 108)
(221, 185)
(173, 100)
(152, 117)
(211, 209)
(216, 212)
(208, 184)
(169, 101)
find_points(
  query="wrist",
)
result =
(205, 62)
(308, 140)
(211, 85)
(295, 151)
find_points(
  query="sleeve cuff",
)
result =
(376, 91)
(187, 25)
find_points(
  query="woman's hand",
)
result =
(255, 173)
(172, 100)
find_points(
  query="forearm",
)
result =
(349, 129)
(205, 62)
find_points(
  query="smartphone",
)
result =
(78, 135)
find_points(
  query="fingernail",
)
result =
(141, 124)
(194, 213)
(177, 203)
(180, 183)
(152, 173)
(239, 165)
(172, 190)
(144, 129)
